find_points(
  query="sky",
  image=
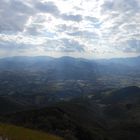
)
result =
(78, 28)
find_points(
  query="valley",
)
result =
(74, 99)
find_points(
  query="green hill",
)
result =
(18, 133)
(74, 120)
(111, 115)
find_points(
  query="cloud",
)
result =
(13, 15)
(72, 45)
(63, 45)
(76, 18)
(48, 7)
(84, 34)
(51, 8)
(121, 5)
(129, 46)
(121, 24)
(100, 27)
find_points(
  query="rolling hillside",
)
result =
(98, 117)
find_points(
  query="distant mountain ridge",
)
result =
(59, 68)
(45, 62)
(66, 75)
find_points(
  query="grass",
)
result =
(18, 133)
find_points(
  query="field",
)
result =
(12, 132)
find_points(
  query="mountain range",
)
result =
(72, 98)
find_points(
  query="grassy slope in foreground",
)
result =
(18, 133)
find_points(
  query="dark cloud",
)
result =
(48, 7)
(121, 5)
(66, 28)
(70, 17)
(32, 31)
(13, 15)
(92, 19)
(20, 7)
